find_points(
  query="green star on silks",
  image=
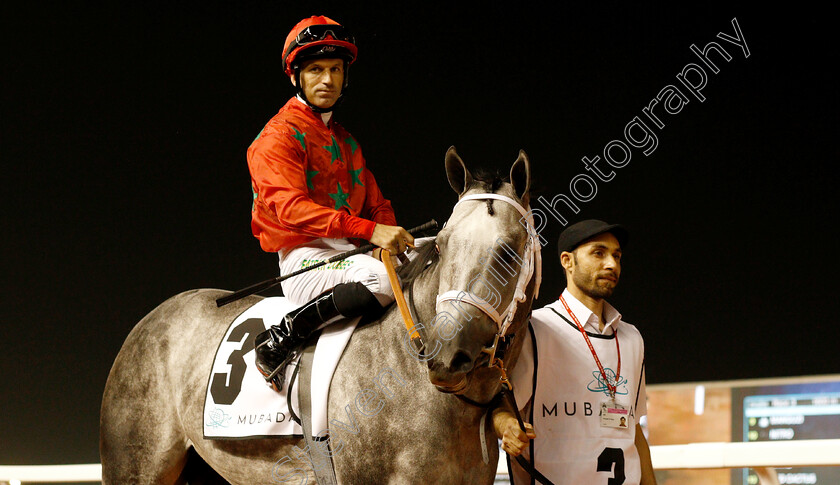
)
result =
(340, 197)
(353, 145)
(334, 150)
(354, 174)
(310, 174)
(259, 134)
(300, 137)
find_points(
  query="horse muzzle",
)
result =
(451, 377)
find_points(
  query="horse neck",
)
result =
(424, 291)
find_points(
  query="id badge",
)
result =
(614, 415)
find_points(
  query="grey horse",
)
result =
(400, 416)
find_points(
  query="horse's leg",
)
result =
(198, 472)
(140, 438)
(152, 409)
(201, 326)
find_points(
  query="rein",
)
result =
(525, 464)
(530, 267)
(385, 257)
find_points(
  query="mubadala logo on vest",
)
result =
(597, 386)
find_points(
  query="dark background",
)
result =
(124, 130)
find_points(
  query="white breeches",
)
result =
(361, 268)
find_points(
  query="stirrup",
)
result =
(276, 379)
(278, 354)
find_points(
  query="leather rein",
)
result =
(531, 268)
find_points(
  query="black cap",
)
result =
(580, 232)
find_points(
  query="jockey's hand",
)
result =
(514, 440)
(377, 254)
(393, 238)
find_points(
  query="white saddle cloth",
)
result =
(239, 403)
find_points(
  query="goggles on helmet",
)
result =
(319, 32)
(314, 33)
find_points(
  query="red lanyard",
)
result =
(611, 387)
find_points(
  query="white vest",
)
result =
(571, 445)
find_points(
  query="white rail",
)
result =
(51, 473)
(761, 456)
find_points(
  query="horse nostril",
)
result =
(461, 362)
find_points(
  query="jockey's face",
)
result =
(594, 266)
(322, 80)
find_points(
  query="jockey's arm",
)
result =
(514, 440)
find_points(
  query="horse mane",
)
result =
(427, 255)
(489, 181)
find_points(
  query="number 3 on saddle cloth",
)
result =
(239, 404)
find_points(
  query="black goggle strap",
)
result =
(314, 33)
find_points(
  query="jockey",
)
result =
(314, 198)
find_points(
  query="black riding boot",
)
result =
(278, 345)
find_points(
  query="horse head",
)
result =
(485, 276)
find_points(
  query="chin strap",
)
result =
(302, 98)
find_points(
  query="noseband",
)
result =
(531, 265)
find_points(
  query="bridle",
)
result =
(531, 266)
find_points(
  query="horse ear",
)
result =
(459, 177)
(520, 176)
